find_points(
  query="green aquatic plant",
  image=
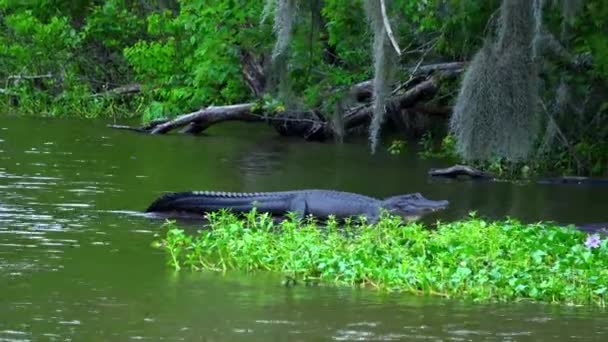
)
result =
(472, 258)
(396, 147)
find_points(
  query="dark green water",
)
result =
(75, 260)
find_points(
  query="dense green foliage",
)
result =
(186, 53)
(60, 58)
(54, 57)
(473, 258)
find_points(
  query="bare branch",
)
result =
(387, 27)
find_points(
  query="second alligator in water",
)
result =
(318, 203)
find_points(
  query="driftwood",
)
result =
(459, 170)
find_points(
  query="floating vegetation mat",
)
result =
(471, 259)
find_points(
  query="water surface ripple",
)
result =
(76, 262)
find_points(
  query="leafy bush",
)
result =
(54, 57)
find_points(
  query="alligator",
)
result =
(319, 203)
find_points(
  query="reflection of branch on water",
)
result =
(260, 161)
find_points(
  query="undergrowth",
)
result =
(586, 157)
(470, 259)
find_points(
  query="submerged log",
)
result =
(459, 170)
(574, 180)
(129, 128)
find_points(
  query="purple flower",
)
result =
(593, 241)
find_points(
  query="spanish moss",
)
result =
(283, 24)
(385, 62)
(496, 114)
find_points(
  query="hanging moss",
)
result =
(284, 12)
(269, 7)
(496, 114)
(385, 62)
(283, 24)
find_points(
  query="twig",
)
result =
(28, 77)
(414, 71)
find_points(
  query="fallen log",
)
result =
(364, 89)
(209, 116)
(362, 114)
(309, 125)
(459, 170)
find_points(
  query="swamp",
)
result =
(496, 108)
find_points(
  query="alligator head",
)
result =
(412, 206)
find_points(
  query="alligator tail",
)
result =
(173, 201)
(202, 201)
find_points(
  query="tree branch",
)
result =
(387, 27)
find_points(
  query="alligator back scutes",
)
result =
(227, 194)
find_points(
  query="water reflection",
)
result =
(263, 158)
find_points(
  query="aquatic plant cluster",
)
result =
(469, 259)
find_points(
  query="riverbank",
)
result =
(469, 259)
